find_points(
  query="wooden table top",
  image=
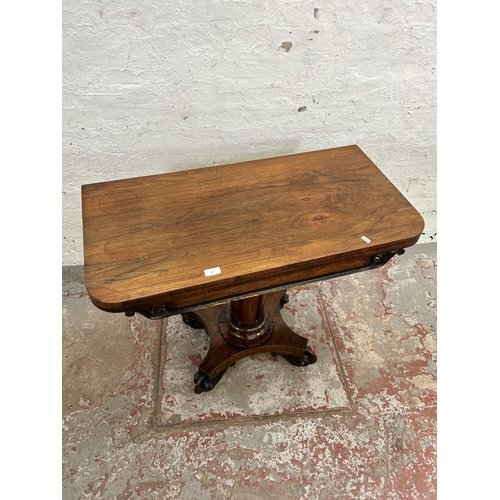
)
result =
(265, 224)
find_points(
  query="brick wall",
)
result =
(151, 86)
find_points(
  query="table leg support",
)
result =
(244, 328)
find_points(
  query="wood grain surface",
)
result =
(264, 223)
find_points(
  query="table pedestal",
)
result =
(243, 328)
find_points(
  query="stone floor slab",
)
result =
(383, 446)
(384, 321)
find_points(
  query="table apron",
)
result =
(160, 311)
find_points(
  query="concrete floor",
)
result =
(359, 424)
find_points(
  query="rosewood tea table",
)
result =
(220, 245)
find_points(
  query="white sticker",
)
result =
(212, 271)
(364, 238)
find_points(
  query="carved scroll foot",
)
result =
(203, 384)
(284, 300)
(308, 358)
(191, 322)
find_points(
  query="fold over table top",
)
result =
(193, 237)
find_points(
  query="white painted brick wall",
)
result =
(153, 86)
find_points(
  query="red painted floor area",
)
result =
(359, 424)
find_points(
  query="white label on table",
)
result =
(212, 271)
(364, 238)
